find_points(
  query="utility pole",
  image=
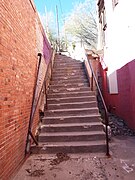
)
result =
(58, 31)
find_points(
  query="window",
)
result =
(114, 3)
(102, 14)
(102, 21)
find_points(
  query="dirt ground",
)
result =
(121, 164)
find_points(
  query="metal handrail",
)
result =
(105, 108)
(32, 115)
(46, 78)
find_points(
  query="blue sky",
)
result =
(64, 6)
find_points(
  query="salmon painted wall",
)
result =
(123, 103)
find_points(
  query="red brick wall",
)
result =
(123, 103)
(18, 65)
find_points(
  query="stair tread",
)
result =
(80, 97)
(72, 124)
(65, 82)
(60, 74)
(78, 88)
(69, 80)
(77, 143)
(85, 102)
(76, 109)
(67, 68)
(71, 92)
(78, 133)
(76, 116)
(65, 63)
(68, 84)
(61, 67)
(69, 76)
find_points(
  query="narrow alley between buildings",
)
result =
(67, 90)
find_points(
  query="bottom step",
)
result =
(70, 147)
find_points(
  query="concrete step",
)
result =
(68, 73)
(72, 127)
(70, 89)
(58, 77)
(73, 72)
(71, 119)
(68, 65)
(72, 81)
(71, 112)
(69, 85)
(69, 60)
(71, 136)
(65, 58)
(71, 147)
(69, 69)
(70, 94)
(73, 105)
(55, 78)
(71, 99)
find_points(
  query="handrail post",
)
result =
(107, 138)
(92, 82)
(46, 105)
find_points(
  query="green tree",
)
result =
(48, 21)
(81, 23)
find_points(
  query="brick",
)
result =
(19, 45)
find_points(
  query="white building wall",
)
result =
(120, 34)
(119, 46)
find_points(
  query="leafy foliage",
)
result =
(81, 22)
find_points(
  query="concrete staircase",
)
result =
(72, 122)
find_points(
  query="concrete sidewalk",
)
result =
(121, 165)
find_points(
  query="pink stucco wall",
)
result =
(123, 103)
(46, 49)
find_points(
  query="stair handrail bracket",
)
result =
(103, 101)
